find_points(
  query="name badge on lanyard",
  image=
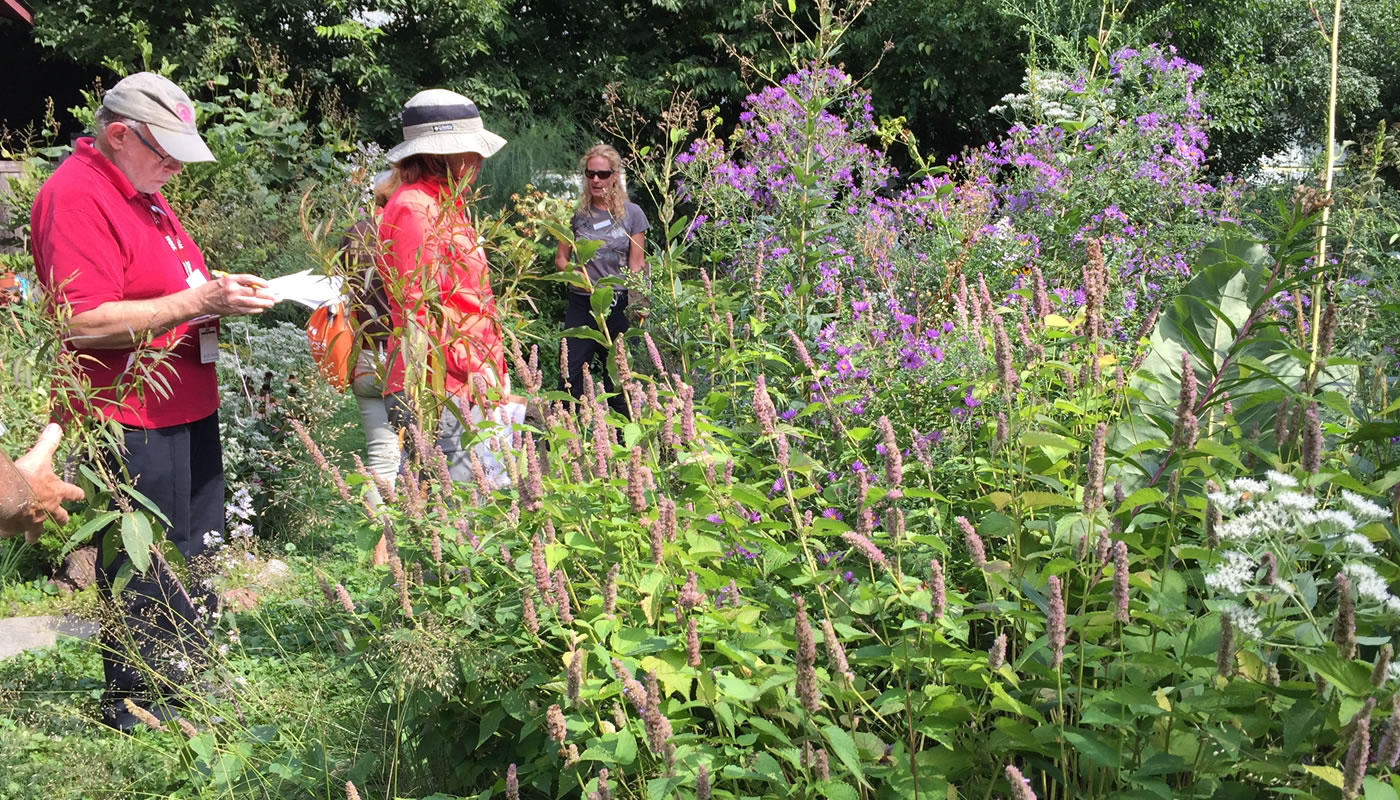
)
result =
(598, 226)
(209, 343)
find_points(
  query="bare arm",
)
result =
(119, 324)
(636, 258)
(561, 256)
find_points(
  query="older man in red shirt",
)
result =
(108, 247)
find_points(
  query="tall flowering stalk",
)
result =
(894, 463)
(1344, 630)
(866, 548)
(806, 658)
(1093, 478)
(835, 652)
(1020, 785)
(1185, 429)
(938, 600)
(1120, 582)
(1055, 623)
(975, 549)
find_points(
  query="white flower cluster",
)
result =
(1243, 618)
(1272, 516)
(1234, 574)
(1053, 97)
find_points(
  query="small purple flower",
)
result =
(848, 576)
(714, 519)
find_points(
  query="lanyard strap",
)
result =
(172, 238)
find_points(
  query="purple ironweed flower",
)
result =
(1312, 439)
(1055, 623)
(610, 590)
(835, 652)
(866, 547)
(806, 659)
(512, 780)
(530, 616)
(1120, 582)
(692, 644)
(714, 519)
(1020, 785)
(938, 602)
(1344, 630)
(1093, 481)
(975, 549)
(561, 598)
(894, 466)
(997, 655)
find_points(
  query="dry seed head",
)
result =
(147, 718)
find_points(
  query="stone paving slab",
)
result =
(18, 634)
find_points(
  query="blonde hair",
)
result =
(617, 197)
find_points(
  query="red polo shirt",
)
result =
(96, 240)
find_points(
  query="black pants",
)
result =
(587, 351)
(154, 642)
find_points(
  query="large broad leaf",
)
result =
(1210, 321)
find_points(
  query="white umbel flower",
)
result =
(1281, 480)
(1243, 618)
(1363, 508)
(1234, 574)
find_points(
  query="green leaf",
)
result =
(1377, 789)
(844, 747)
(1043, 499)
(1351, 677)
(82, 534)
(136, 539)
(601, 301)
(1330, 775)
(1093, 748)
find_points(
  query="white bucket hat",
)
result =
(440, 122)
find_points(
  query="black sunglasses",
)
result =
(166, 160)
(598, 173)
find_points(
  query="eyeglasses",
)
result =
(166, 160)
(604, 174)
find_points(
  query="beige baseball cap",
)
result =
(166, 110)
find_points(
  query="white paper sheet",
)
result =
(312, 291)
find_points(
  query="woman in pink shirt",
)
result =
(446, 342)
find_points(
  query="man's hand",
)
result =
(232, 295)
(35, 493)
